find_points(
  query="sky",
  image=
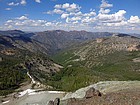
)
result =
(89, 15)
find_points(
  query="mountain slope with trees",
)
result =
(113, 58)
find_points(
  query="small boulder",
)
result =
(92, 92)
(57, 101)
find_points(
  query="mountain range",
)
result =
(86, 57)
(55, 40)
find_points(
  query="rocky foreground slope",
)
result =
(112, 93)
(101, 93)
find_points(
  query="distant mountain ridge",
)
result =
(55, 40)
(16, 33)
(22, 42)
(59, 39)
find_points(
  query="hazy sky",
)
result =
(89, 15)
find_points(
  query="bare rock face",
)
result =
(92, 92)
(134, 48)
(99, 40)
(8, 52)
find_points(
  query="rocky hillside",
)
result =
(93, 50)
(112, 58)
(19, 55)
